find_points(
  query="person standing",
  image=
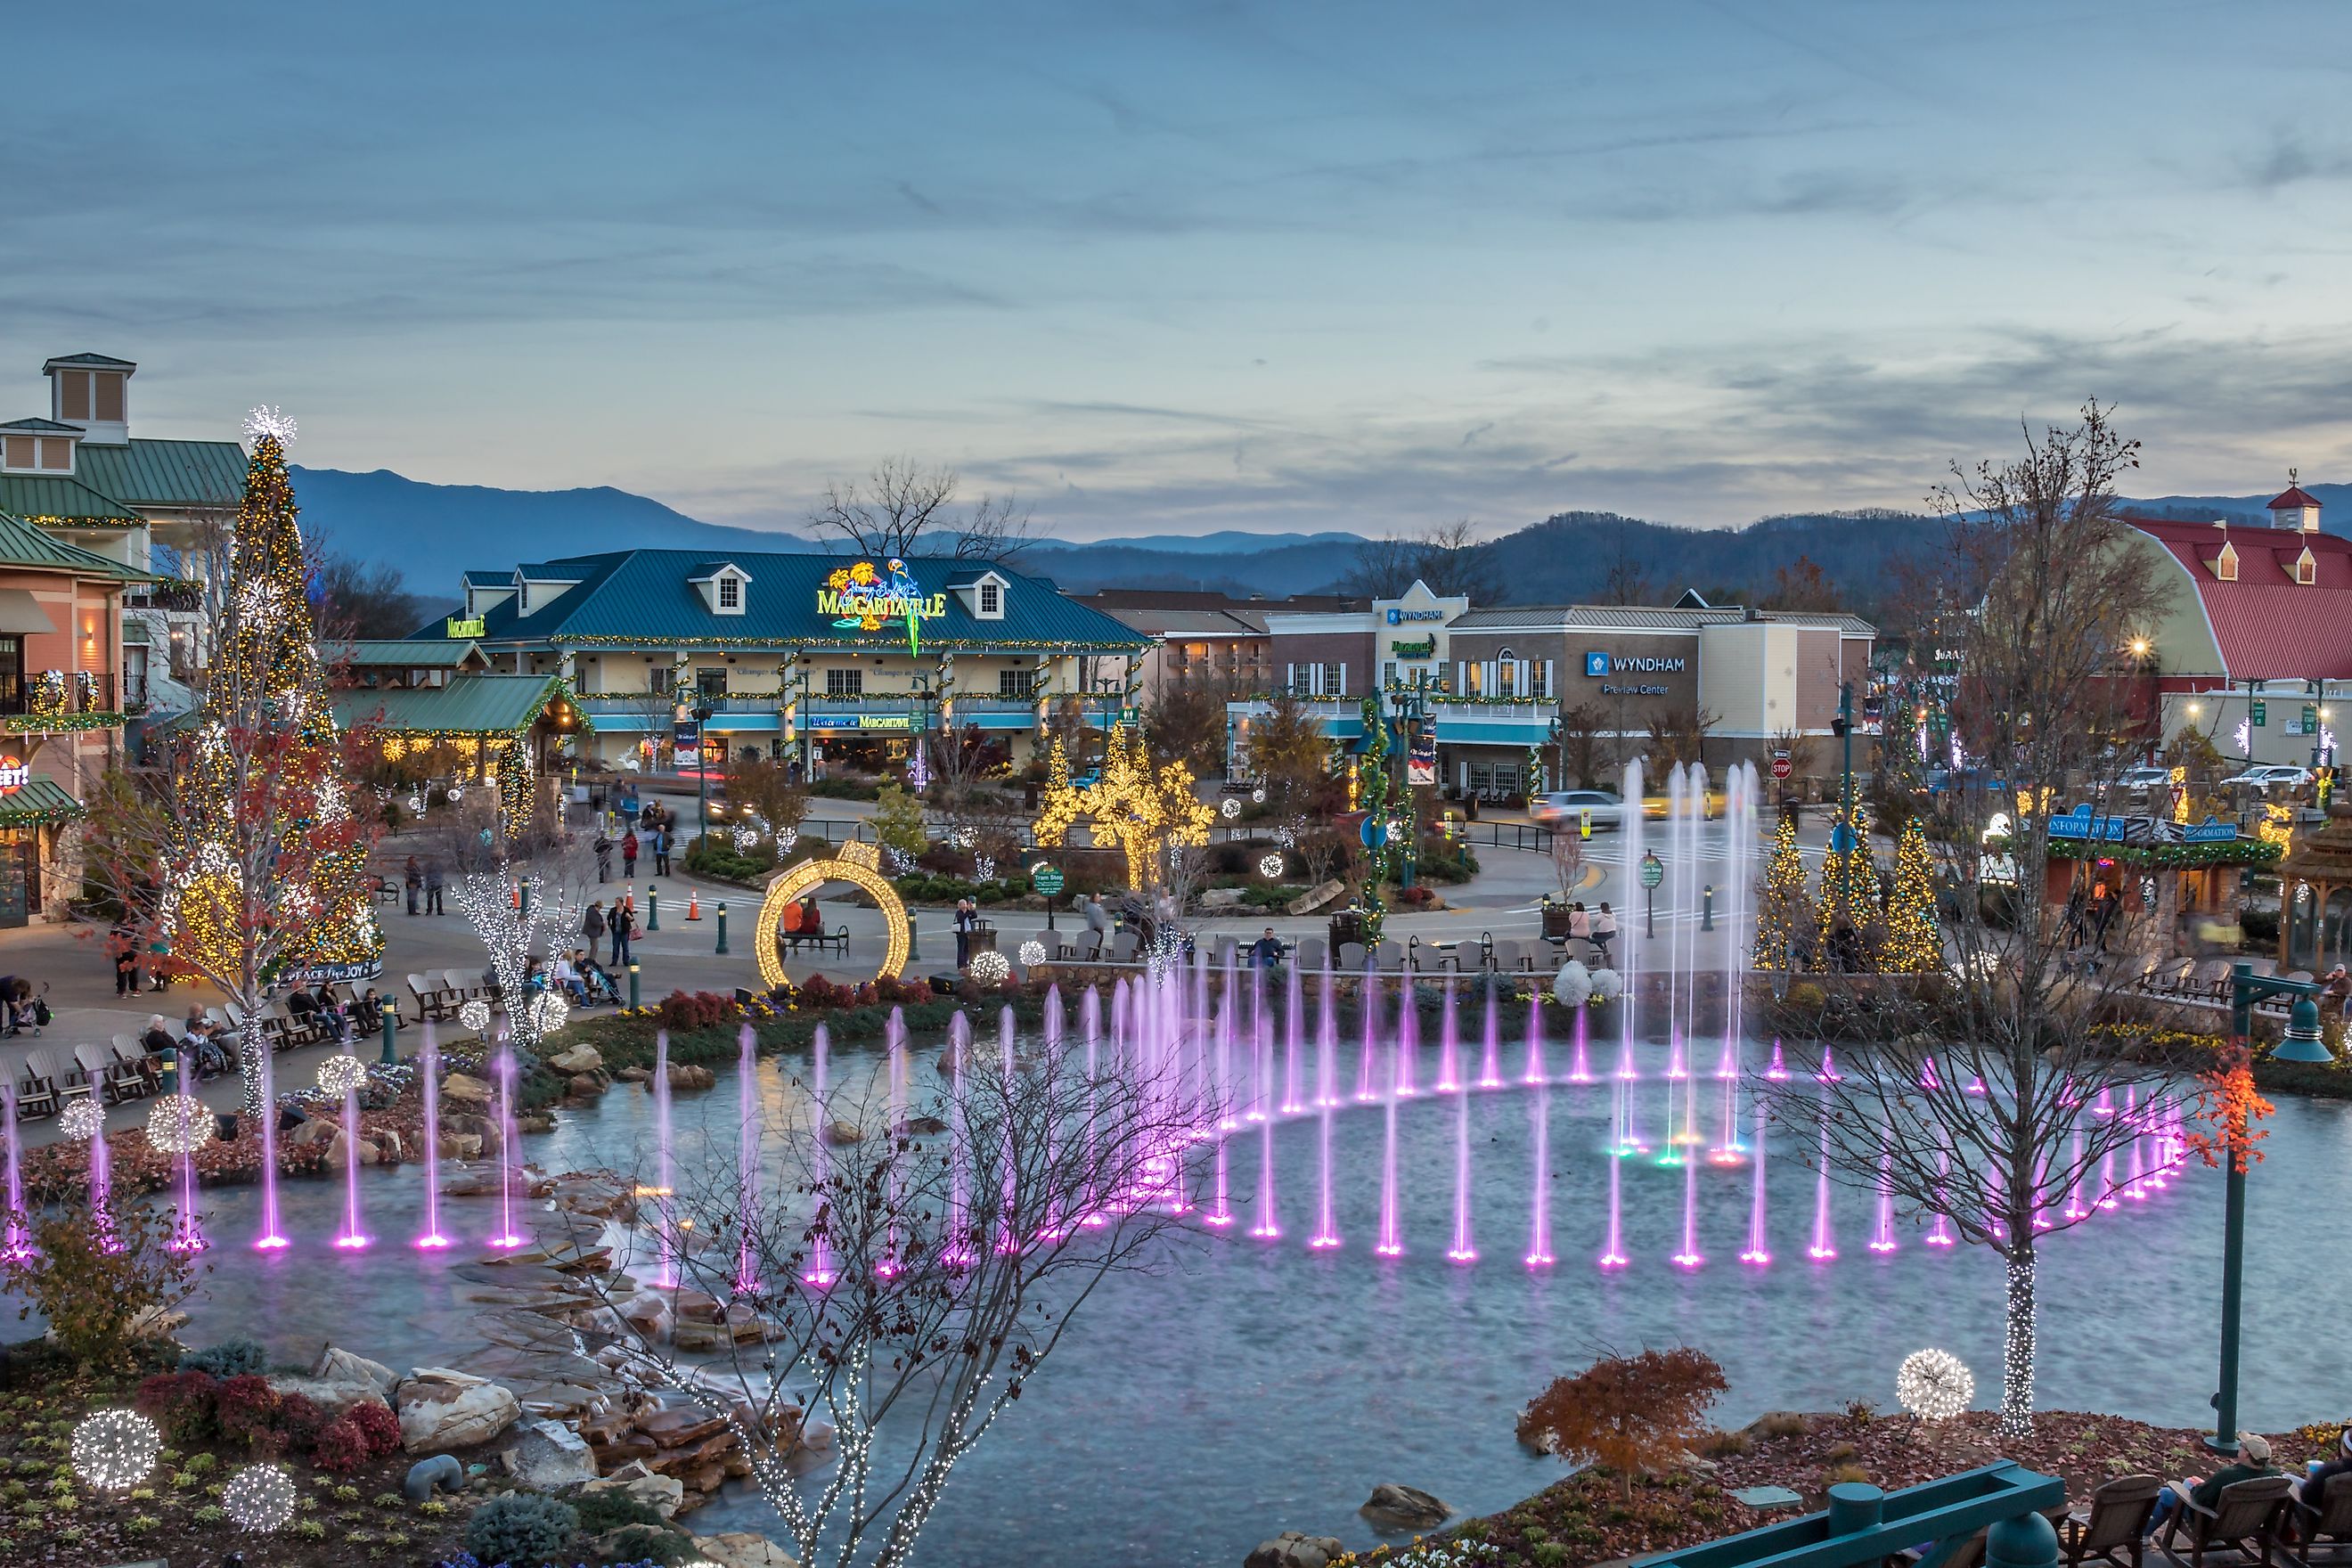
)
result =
(604, 848)
(592, 925)
(433, 889)
(413, 879)
(629, 857)
(661, 850)
(126, 959)
(624, 920)
(963, 912)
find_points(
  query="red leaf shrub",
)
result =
(183, 1404)
(341, 1447)
(816, 991)
(701, 1010)
(377, 1425)
(246, 1411)
(297, 1421)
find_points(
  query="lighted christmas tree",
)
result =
(1847, 890)
(1914, 942)
(1781, 909)
(248, 813)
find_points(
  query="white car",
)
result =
(1566, 808)
(2271, 776)
(2143, 776)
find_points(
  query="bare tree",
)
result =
(1627, 581)
(901, 501)
(1994, 1107)
(1568, 860)
(918, 1282)
(1583, 754)
(1447, 558)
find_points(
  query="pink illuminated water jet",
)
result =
(1391, 1241)
(1533, 1072)
(1758, 1250)
(1539, 1253)
(1690, 1256)
(957, 1249)
(18, 1243)
(1463, 1249)
(1940, 1233)
(1778, 1071)
(502, 1069)
(1327, 1046)
(746, 1163)
(820, 1272)
(1449, 1043)
(1881, 1235)
(1371, 1021)
(1327, 1232)
(1579, 1070)
(273, 1236)
(1490, 1067)
(1824, 1244)
(1294, 1019)
(1408, 1040)
(1612, 1253)
(353, 1237)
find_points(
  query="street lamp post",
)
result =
(702, 712)
(2302, 1045)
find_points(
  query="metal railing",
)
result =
(73, 691)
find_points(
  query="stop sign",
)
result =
(1780, 765)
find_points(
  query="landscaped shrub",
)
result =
(377, 1424)
(700, 1010)
(298, 1421)
(520, 1529)
(345, 1444)
(229, 1358)
(186, 1405)
(245, 1409)
(611, 1509)
(652, 1544)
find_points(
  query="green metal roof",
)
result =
(396, 653)
(467, 705)
(646, 595)
(165, 473)
(68, 500)
(38, 799)
(22, 544)
(102, 362)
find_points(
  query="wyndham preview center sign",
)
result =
(1599, 665)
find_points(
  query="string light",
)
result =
(1142, 810)
(989, 967)
(1913, 945)
(179, 1124)
(113, 1450)
(1783, 899)
(339, 1074)
(860, 865)
(1934, 1385)
(259, 1498)
(549, 1013)
(475, 1013)
(1032, 953)
(81, 1121)
(1232, 808)
(1270, 867)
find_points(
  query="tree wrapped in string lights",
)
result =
(1846, 897)
(240, 847)
(516, 913)
(1914, 942)
(1783, 909)
(915, 1285)
(1147, 811)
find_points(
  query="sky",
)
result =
(1163, 268)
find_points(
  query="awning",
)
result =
(38, 800)
(1493, 733)
(731, 723)
(20, 614)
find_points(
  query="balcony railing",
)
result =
(56, 694)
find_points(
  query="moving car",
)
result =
(1565, 808)
(2271, 776)
(2143, 776)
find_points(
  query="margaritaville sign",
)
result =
(865, 597)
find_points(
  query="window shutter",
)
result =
(109, 395)
(73, 395)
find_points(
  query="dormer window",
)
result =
(721, 585)
(2306, 567)
(38, 446)
(731, 594)
(982, 593)
(2225, 565)
(991, 599)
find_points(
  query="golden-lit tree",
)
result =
(1780, 910)
(1142, 809)
(1915, 944)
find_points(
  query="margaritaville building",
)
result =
(823, 660)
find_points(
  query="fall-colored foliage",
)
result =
(2229, 1110)
(1632, 1414)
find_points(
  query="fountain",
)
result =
(1372, 1022)
(747, 1162)
(353, 1237)
(273, 1234)
(1449, 1043)
(820, 1272)
(1294, 1009)
(1408, 1037)
(1613, 1255)
(1940, 1233)
(1327, 1232)
(1881, 1235)
(665, 1187)
(509, 1149)
(1759, 1250)
(1533, 1073)
(1579, 1069)
(957, 1252)
(428, 1068)
(18, 1245)
(1391, 1242)
(1824, 1245)
(1326, 1047)
(1490, 1069)
(1539, 1253)
(1463, 1250)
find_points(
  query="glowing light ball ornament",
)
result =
(1608, 984)
(1270, 867)
(990, 968)
(1232, 808)
(340, 1074)
(259, 1498)
(1033, 953)
(1572, 987)
(179, 1124)
(1934, 1385)
(113, 1450)
(475, 1014)
(1258, 795)
(81, 1121)
(549, 1013)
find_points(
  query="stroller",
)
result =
(597, 981)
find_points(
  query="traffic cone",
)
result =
(693, 905)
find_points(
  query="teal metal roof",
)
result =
(646, 595)
(205, 474)
(88, 361)
(68, 500)
(44, 426)
(397, 653)
(467, 705)
(38, 798)
(22, 544)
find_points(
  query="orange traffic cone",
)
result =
(693, 905)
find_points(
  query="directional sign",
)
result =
(1046, 879)
(1654, 870)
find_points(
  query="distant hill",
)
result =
(433, 532)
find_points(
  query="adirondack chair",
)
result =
(35, 1095)
(129, 1051)
(1351, 956)
(2114, 1521)
(70, 1083)
(1313, 952)
(1505, 957)
(1391, 957)
(116, 1080)
(2245, 1518)
(2327, 1521)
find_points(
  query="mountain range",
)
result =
(434, 533)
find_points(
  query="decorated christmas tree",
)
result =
(1847, 893)
(1914, 942)
(1782, 907)
(264, 866)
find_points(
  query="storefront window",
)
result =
(844, 682)
(12, 675)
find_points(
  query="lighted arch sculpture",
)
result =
(860, 865)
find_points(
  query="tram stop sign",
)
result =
(1654, 870)
(1046, 879)
(1780, 765)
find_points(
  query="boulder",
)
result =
(460, 1089)
(817, 1435)
(338, 1151)
(649, 1316)
(742, 1549)
(389, 1151)
(339, 1365)
(461, 1146)
(1394, 1508)
(549, 1456)
(316, 1130)
(660, 1493)
(1221, 898)
(919, 1127)
(333, 1396)
(840, 1132)
(579, 1059)
(635, 1075)
(438, 1414)
(679, 1426)
(1292, 1550)
(586, 1085)
(1316, 897)
(682, 1076)
(438, 1474)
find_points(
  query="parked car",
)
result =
(1565, 808)
(2143, 776)
(2271, 776)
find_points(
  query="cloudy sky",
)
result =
(1187, 266)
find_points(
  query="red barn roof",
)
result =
(2268, 625)
(2292, 497)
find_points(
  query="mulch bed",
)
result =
(1584, 1520)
